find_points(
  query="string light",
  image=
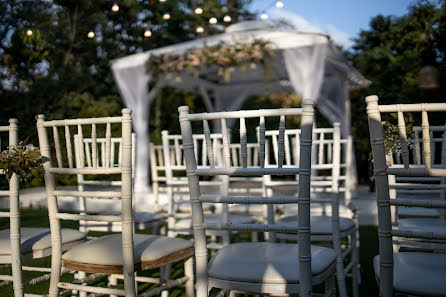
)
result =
(279, 4)
(29, 32)
(198, 10)
(147, 33)
(166, 16)
(90, 34)
(227, 19)
(213, 20)
(264, 16)
(115, 7)
(199, 30)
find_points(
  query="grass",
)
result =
(39, 218)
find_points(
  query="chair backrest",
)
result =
(227, 169)
(329, 164)
(64, 164)
(432, 187)
(382, 169)
(14, 208)
(157, 169)
(115, 160)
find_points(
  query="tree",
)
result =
(45, 54)
(391, 54)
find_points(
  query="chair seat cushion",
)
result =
(321, 209)
(247, 209)
(435, 225)
(107, 250)
(273, 263)
(186, 223)
(320, 224)
(418, 212)
(420, 274)
(35, 239)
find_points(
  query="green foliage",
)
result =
(391, 54)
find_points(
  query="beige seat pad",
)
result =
(37, 238)
(437, 226)
(247, 209)
(320, 224)
(321, 209)
(418, 212)
(186, 223)
(419, 274)
(107, 250)
(272, 263)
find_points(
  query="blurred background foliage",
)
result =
(60, 72)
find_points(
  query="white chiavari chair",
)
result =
(143, 219)
(327, 221)
(426, 187)
(157, 173)
(256, 267)
(23, 243)
(405, 273)
(180, 219)
(121, 253)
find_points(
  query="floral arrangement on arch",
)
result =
(223, 55)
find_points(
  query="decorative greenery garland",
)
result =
(223, 55)
(21, 159)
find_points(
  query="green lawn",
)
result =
(39, 218)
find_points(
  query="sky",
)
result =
(341, 19)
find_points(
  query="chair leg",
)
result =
(165, 275)
(330, 286)
(189, 272)
(112, 283)
(355, 267)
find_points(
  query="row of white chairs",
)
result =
(410, 192)
(271, 267)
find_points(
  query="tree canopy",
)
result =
(48, 63)
(391, 54)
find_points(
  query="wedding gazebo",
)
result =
(306, 63)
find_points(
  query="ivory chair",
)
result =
(157, 173)
(257, 267)
(328, 224)
(406, 273)
(142, 219)
(23, 243)
(180, 219)
(122, 253)
(433, 187)
(252, 186)
(426, 187)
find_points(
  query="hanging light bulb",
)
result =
(227, 18)
(90, 34)
(147, 33)
(166, 16)
(199, 29)
(115, 7)
(279, 4)
(162, 0)
(198, 10)
(264, 16)
(29, 32)
(213, 20)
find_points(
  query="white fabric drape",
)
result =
(305, 67)
(132, 82)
